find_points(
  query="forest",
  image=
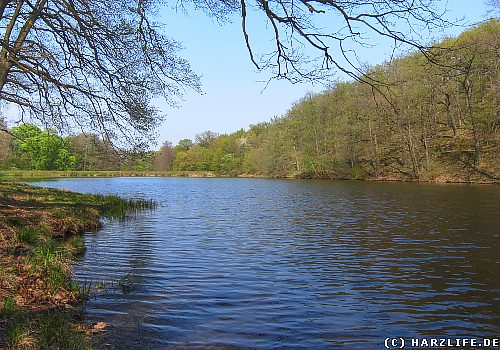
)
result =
(426, 116)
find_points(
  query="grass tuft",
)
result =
(40, 231)
(28, 235)
(75, 245)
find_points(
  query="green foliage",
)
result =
(65, 160)
(424, 122)
(184, 145)
(223, 154)
(44, 150)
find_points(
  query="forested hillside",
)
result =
(432, 116)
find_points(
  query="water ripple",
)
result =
(275, 264)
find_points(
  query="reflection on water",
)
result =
(249, 263)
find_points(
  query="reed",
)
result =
(40, 233)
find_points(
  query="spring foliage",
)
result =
(424, 121)
(42, 149)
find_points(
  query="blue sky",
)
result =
(234, 92)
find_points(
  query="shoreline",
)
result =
(40, 236)
(20, 175)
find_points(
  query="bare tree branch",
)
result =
(296, 24)
(98, 64)
(93, 64)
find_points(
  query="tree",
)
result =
(494, 4)
(427, 122)
(92, 153)
(45, 149)
(184, 145)
(6, 143)
(98, 64)
(295, 29)
(206, 138)
(89, 64)
(165, 158)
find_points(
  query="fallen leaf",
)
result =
(99, 326)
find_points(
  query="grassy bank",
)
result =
(43, 174)
(40, 233)
(452, 173)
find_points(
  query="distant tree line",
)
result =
(420, 120)
(29, 147)
(100, 64)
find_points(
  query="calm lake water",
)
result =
(290, 264)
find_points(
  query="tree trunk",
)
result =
(373, 140)
(411, 149)
(451, 119)
(426, 147)
(297, 167)
(472, 116)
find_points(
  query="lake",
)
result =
(292, 264)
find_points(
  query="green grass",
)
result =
(46, 329)
(50, 260)
(28, 235)
(75, 245)
(40, 233)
